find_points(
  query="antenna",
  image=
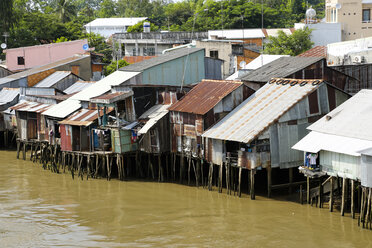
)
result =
(262, 26)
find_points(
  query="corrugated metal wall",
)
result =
(341, 165)
(168, 74)
(366, 171)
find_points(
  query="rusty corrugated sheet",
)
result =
(205, 96)
(31, 107)
(83, 117)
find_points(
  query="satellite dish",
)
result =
(85, 47)
(338, 5)
(3, 45)
(242, 64)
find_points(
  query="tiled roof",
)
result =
(317, 51)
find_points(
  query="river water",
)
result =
(42, 209)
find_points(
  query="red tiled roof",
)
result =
(317, 51)
(204, 96)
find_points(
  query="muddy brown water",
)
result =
(42, 209)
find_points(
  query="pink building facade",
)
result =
(23, 58)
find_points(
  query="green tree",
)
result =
(114, 65)
(66, 10)
(139, 27)
(293, 44)
(6, 14)
(107, 9)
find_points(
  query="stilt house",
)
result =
(260, 132)
(199, 109)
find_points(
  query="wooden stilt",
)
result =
(32, 150)
(240, 181)
(24, 151)
(174, 166)
(269, 181)
(362, 203)
(202, 171)
(167, 158)
(182, 162)
(290, 175)
(301, 195)
(220, 179)
(196, 172)
(188, 170)
(343, 196)
(367, 218)
(308, 190)
(253, 196)
(210, 176)
(227, 177)
(352, 207)
(331, 201)
(18, 148)
(320, 193)
(161, 170)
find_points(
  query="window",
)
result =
(21, 60)
(149, 51)
(213, 54)
(366, 15)
(135, 52)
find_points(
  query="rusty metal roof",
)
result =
(31, 107)
(261, 109)
(83, 117)
(317, 51)
(204, 96)
(112, 97)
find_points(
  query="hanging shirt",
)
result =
(313, 158)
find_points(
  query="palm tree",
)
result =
(66, 10)
(6, 14)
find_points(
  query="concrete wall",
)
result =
(323, 33)
(43, 54)
(349, 15)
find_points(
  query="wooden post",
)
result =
(331, 195)
(352, 207)
(320, 193)
(188, 170)
(210, 176)
(161, 170)
(227, 165)
(361, 214)
(343, 196)
(167, 157)
(301, 195)
(108, 166)
(308, 190)
(290, 175)
(202, 173)
(24, 151)
(240, 180)
(32, 150)
(18, 148)
(220, 179)
(196, 172)
(174, 166)
(367, 218)
(252, 184)
(182, 163)
(269, 181)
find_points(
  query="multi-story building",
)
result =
(354, 16)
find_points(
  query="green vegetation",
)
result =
(293, 44)
(33, 22)
(113, 66)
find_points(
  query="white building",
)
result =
(109, 26)
(322, 33)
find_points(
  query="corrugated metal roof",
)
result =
(260, 110)
(352, 118)
(316, 141)
(204, 96)
(52, 79)
(104, 85)
(146, 64)
(63, 109)
(31, 107)
(8, 94)
(67, 107)
(112, 97)
(115, 22)
(84, 117)
(280, 68)
(153, 115)
(237, 33)
(77, 86)
(35, 70)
